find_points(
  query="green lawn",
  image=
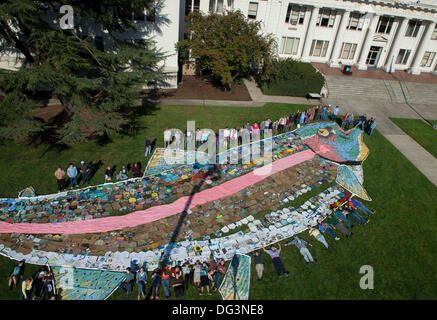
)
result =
(22, 165)
(425, 135)
(399, 241)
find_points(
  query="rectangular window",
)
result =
(253, 9)
(216, 5)
(384, 25)
(356, 21)
(428, 59)
(319, 48)
(289, 45)
(434, 34)
(413, 28)
(403, 56)
(348, 51)
(326, 18)
(295, 14)
(191, 6)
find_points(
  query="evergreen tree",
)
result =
(97, 88)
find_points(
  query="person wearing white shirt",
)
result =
(167, 137)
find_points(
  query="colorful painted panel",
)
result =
(235, 285)
(347, 179)
(329, 141)
(84, 284)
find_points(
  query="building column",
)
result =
(373, 23)
(421, 48)
(309, 35)
(339, 40)
(394, 49)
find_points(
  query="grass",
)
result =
(424, 135)
(22, 165)
(399, 241)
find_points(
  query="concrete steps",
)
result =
(388, 90)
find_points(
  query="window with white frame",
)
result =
(348, 51)
(191, 6)
(384, 25)
(403, 56)
(216, 5)
(326, 18)
(253, 9)
(356, 21)
(319, 48)
(413, 28)
(289, 45)
(428, 59)
(434, 34)
(295, 14)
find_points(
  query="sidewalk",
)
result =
(258, 99)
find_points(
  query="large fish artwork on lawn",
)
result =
(346, 148)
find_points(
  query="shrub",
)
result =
(290, 77)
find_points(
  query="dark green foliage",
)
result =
(98, 89)
(226, 46)
(290, 78)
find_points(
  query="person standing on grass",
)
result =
(128, 284)
(85, 172)
(26, 289)
(302, 246)
(361, 122)
(259, 265)
(336, 224)
(219, 272)
(186, 271)
(48, 289)
(156, 283)
(196, 275)
(136, 170)
(204, 278)
(274, 254)
(167, 137)
(313, 232)
(302, 118)
(141, 282)
(178, 282)
(60, 177)
(165, 279)
(335, 113)
(72, 174)
(16, 275)
(372, 126)
(324, 227)
(148, 147)
(344, 120)
(108, 174)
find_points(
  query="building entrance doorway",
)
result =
(373, 56)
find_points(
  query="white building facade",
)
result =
(369, 34)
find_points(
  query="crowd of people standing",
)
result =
(204, 277)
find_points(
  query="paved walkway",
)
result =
(380, 107)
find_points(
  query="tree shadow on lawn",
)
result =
(147, 107)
